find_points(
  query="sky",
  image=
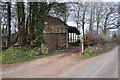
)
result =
(89, 0)
(67, 0)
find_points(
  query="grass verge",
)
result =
(0, 57)
(96, 50)
(16, 54)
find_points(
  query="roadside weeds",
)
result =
(96, 50)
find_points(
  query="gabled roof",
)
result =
(54, 21)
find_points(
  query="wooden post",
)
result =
(82, 45)
(68, 37)
(73, 37)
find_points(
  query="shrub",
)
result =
(88, 39)
(91, 39)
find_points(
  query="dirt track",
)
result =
(102, 66)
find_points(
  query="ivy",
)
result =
(39, 29)
(40, 10)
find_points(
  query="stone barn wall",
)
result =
(55, 34)
(55, 41)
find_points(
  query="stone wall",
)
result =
(56, 41)
(44, 48)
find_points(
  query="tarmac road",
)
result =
(102, 66)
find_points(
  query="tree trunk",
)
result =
(0, 36)
(91, 18)
(9, 25)
(105, 26)
(21, 24)
(32, 21)
(98, 17)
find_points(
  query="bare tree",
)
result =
(109, 17)
(61, 11)
(79, 16)
(98, 11)
(118, 14)
(91, 18)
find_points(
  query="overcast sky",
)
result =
(65, 0)
(88, 0)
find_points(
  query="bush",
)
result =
(88, 39)
(94, 39)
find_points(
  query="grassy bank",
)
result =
(0, 57)
(15, 55)
(96, 50)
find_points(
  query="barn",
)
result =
(56, 33)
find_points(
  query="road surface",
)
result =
(102, 66)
